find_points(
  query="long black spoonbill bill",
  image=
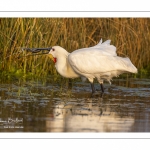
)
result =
(100, 62)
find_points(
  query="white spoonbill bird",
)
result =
(100, 62)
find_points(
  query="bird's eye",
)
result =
(53, 49)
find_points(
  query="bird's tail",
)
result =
(130, 67)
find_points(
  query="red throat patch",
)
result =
(55, 60)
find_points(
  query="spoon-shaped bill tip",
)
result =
(36, 50)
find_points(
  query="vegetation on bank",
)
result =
(131, 36)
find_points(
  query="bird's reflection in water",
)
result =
(91, 115)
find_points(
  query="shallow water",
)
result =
(33, 106)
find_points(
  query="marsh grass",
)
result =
(129, 35)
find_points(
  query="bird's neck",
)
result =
(63, 67)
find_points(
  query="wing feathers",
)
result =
(95, 64)
(100, 60)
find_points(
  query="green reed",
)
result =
(129, 35)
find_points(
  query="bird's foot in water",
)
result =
(101, 95)
(96, 94)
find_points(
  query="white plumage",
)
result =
(100, 61)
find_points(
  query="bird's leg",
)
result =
(93, 88)
(102, 88)
(69, 84)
